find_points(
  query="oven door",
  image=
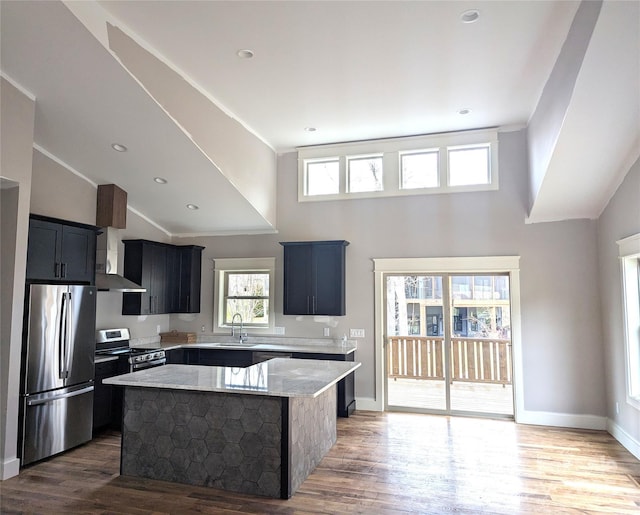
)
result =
(147, 364)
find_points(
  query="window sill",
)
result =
(634, 401)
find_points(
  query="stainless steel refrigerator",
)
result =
(57, 370)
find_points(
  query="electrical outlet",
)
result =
(278, 330)
(356, 333)
(202, 329)
(326, 331)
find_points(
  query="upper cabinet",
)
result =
(61, 251)
(314, 277)
(170, 274)
(189, 264)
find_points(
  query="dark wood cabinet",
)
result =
(187, 287)
(314, 278)
(145, 263)
(60, 250)
(218, 358)
(175, 357)
(171, 275)
(107, 399)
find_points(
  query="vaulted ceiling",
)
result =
(162, 77)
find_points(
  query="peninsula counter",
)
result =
(259, 430)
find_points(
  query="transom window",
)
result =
(437, 163)
(469, 166)
(323, 177)
(365, 173)
(419, 169)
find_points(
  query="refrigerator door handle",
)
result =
(63, 339)
(45, 400)
(69, 336)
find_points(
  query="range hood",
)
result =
(111, 215)
(107, 278)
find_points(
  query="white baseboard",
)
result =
(625, 439)
(9, 468)
(368, 404)
(575, 421)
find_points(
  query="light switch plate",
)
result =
(278, 330)
(356, 333)
(326, 331)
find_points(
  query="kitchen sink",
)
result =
(236, 345)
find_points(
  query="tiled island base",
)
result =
(254, 444)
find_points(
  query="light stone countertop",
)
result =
(278, 377)
(255, 344)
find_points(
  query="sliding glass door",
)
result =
(448, 343)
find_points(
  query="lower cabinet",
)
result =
(218, 358)
(175, 356)
(107, 399)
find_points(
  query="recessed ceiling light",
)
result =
(193, 207)
(310, 129)
(464, 111)
(245, 53)
(160, 180)
(470, 16)
(118, 147)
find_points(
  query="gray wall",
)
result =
(560, 311)
(620, 219)
(59, 193)
(561, 320)
(17, 114)
(561, 329)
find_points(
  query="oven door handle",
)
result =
(149, 364)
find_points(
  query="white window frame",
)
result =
(473, 265)
(463, 148)
(391, 150)
(350, 159)
(305, 174)
(629, 254)
(241, 265)
(420, 151)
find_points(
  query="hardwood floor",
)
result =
(383, 463)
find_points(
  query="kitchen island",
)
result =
(259, 430)
(229, 352)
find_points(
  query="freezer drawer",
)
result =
(56, 421)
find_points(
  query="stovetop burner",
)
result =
(115, 342)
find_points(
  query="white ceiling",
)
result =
(353, 70)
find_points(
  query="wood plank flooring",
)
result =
(383, 463)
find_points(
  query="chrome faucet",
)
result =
(233, 327)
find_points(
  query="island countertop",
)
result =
(278, 377)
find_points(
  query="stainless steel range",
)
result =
(115, 342)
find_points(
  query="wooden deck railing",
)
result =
(478, 360)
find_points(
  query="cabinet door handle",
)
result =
(56, 270)
(150, 303)
(63, 270)
(313, 304)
